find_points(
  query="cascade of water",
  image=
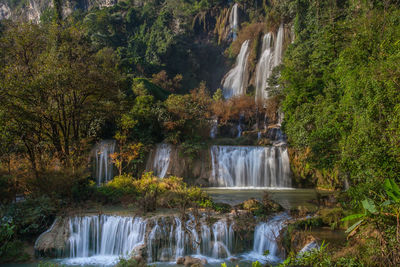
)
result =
(266, 235)
(103, 163)
(214, 129)
(161, 160)
(278, 49)
(104, 235)
(234, 83)
(103, 239)
(222, 240)
(270, 58)
(216, 241)
(264, 67)
(234, 21)
(250, 166)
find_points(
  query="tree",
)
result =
(128, 152)
(56, 95)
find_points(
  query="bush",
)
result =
(10, 249)
(6, 189)
(83, 189)
(31, 217)
(121, 186)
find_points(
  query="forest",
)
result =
(149, 112)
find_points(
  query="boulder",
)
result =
(139, 253)
(180, 260)
(190, 261)
(52, 242)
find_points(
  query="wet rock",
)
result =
(190, 261)
(139, 253)
(233, 259)
(52, 242)
(180, 260)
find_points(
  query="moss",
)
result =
(222, 207)
(331, 216)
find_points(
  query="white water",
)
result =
(103, 162)
(250, 166)
(234, 82)
(234, 21)
(102, 239)
(161, 160)
(214, 128)
(265, 239)
(271, 57)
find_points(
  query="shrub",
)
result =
(10, 249)
(31, 217)
(6, 189)
(120, 186)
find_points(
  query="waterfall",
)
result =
(265, 237)
(234, 21)
(103, 163)
(271, 57)
(278, 50)
(264, 67)
(161, 160)
(250, 166)
(235, 82)
(103, 237)
(169, 241)
(214, 128)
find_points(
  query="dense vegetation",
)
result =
(149, 72)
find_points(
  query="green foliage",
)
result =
(315, 257)
(10, 248)
(185, 117)
(381, 215)
(220, 207)
(59, 91)
(83, 189)
(7, 188)
(120, 186)
(218, 95)
(339, 80)
(331, 216)
(191, 148)
(146, 87)
(30, 217)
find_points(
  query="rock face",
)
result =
(5, 11)
(195, 169)
(33, 9)
(52, 243)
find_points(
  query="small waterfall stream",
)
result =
(250, 166)
(271, 57)
(234, 21)
(103, 162)
(161, 160)
(235, 82)
(266, 234)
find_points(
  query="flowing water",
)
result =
(103, 239)
(100, 240)
(271, 57)
(250, 166)
(160, 163)
(234, 21)
(103, 162)
(235, 81)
